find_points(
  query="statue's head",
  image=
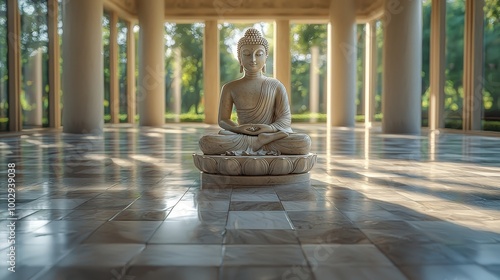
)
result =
(252, 49)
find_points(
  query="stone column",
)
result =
(370, 72)
(473, 65)
(130, 73)
(342, 63)
(402, 56)
(211, 72)
(83, 88)
(282, 62)
(151, 82)
(114, 83)
(14, 65)
(437, 64)
(54, 66)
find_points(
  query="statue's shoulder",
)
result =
(231, 85)
(276, 83)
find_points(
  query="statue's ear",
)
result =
(264, 69)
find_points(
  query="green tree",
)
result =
(303, 38)
(189, 39)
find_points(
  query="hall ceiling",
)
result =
(248, 9)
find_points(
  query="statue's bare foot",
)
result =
(273, 153)
(230, 153)
(266, 138)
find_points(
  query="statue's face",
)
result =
(253, 57)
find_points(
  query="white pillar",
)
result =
(473, 65)
(151, 83)
(114, 75)
(282, 62)
(342, 67)
(437, 64)
(83, 87)
(130, 73)
(54, 65)
(314, 83)
(14, 53)
(211, 75)
(34, 90)
(402, 81)
(370, 72)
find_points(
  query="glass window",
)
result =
(454, 94)
(34, 58)
(491, 81)
(4, 74)
(122, 69)
(184, 72)
(309, 56)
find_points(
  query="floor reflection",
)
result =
(128, 205)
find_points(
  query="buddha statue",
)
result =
(263, 112)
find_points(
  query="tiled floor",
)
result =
(129, 206)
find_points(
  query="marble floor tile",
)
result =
(180, 255)
(377, 215)
(318, 219)
(198, 217)
(414, 253)
(101, 255)
(260, 236)
(245, 196)
(24, 272)
(56, 203)
(361, 272)
(344, 254)
(148, 272)
(321, 205)
(124, 232)
(483, 254)
(52, 214)
(262, 255)
(258, 220)
(431, 272)
(92, 215)
(63, 226)
(439, 231)
(332, 236)
(186, 232)
(82, 273)
(266, 272)
(141, 215)
(255, 206)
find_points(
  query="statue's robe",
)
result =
(272, 109)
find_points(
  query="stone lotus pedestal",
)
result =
(247, 171)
